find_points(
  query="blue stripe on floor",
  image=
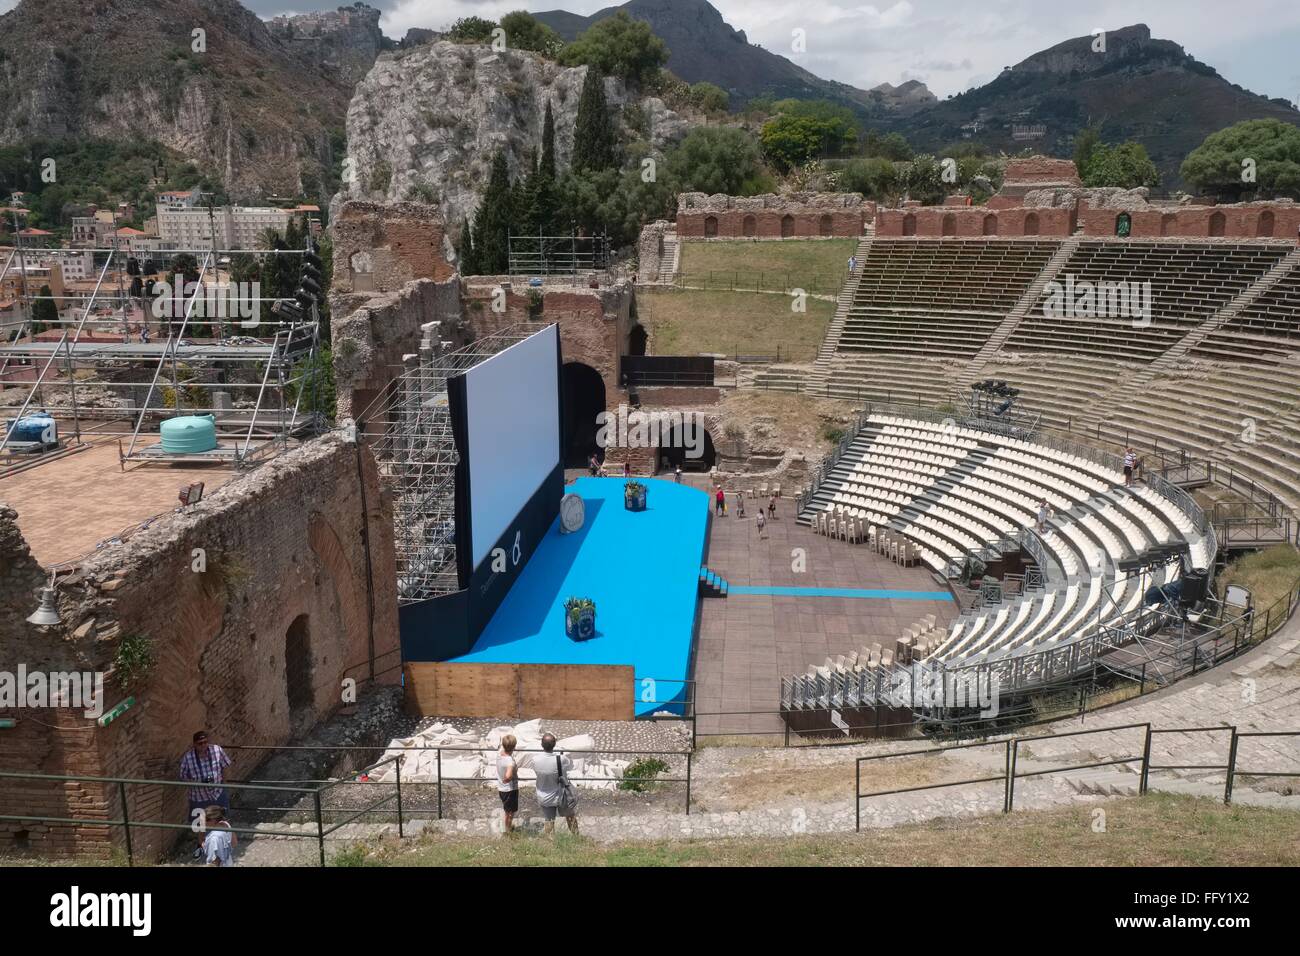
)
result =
(867, 593)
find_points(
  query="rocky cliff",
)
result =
(426, 122)
(346, 40)
(240, 103)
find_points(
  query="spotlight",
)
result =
(48, 613)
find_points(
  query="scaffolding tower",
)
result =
(571, 255)
(409, 429)
(141, 360)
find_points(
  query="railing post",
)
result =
(1006, 779)
(1146, 763)
(320, 825)
(126, 822)
(857, 795)
(1232, 769)
(1011, 775)
(399, 797)
(688, 784)
(439, 783)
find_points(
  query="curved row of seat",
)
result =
(957, 491)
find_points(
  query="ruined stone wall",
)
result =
(306, 537)
(771, 216)
(371, 333)
(650, 250)
(381, 246)
(1272, 220)
(974, 221)
(594, 323)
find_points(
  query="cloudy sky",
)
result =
(951, 45)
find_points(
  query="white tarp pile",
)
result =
(478, 758)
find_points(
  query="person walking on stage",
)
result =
(740, 504)
(762, 522)
(720, 502)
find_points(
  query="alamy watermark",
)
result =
(82, 690)
(638, 429)
(236, 300)
(920, 687)
(1083, 299)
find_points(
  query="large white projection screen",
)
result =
(513, 417)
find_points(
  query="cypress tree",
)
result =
(465, 250)
(492, 234)
(593, 133)
(547, 167)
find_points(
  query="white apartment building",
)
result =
(184, 225)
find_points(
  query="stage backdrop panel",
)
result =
(525, 691)
(513, 433)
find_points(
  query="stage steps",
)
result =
(713, 584)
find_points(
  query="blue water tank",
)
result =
(38, 428)
(189, 434)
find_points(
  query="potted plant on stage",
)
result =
(634, 495)
(580, 619)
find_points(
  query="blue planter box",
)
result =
(582, 629)
(636, 502)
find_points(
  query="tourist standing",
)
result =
(204, 763)
(677, 474)
(508, 781)
(719, 501)
(740, 504)
(627, 469)
(1130, 461)
(555, 793)
(762, 522)
(1042, 516)
(771, 507)
(592, 465)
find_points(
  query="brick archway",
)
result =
(1031, 224)
(1218, 222)
(949, 225)
(787, 226)
(1264, 225)
(909, 225)
(749, 227)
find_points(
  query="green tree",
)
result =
(1267, 151)
(708, 97)
(718, 159)
(525, 32)
(1085, 144)
(923, 180)
(44, 312)
(872, 176)
(891, 146)
(471, 30)
(619, 46)
(547, 165)
(804, 130)
(465, 250)
(1126, 165)
(594, 137)
(492, 224)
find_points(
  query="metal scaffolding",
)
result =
(409, 429)
(569, 255)
(248, 360)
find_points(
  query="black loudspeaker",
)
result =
(1194, 587)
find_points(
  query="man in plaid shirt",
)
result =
(204, 763)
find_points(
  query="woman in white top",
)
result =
(508, 780)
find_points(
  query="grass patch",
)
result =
(1156, 830)
(1269, 574)
(825, 260)
(690, 322)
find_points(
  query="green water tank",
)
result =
(189, 434)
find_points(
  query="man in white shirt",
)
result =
(554, 793)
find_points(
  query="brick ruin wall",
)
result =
(379, 247)
(303, 542)
(974, 221)
(371, 334)
(793, 216)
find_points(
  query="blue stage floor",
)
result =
(641, 569)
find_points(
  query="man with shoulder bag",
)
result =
(555, 792)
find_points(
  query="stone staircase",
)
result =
(672, 258)
(844, 303)
(1022, 308)
(1172, 356)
